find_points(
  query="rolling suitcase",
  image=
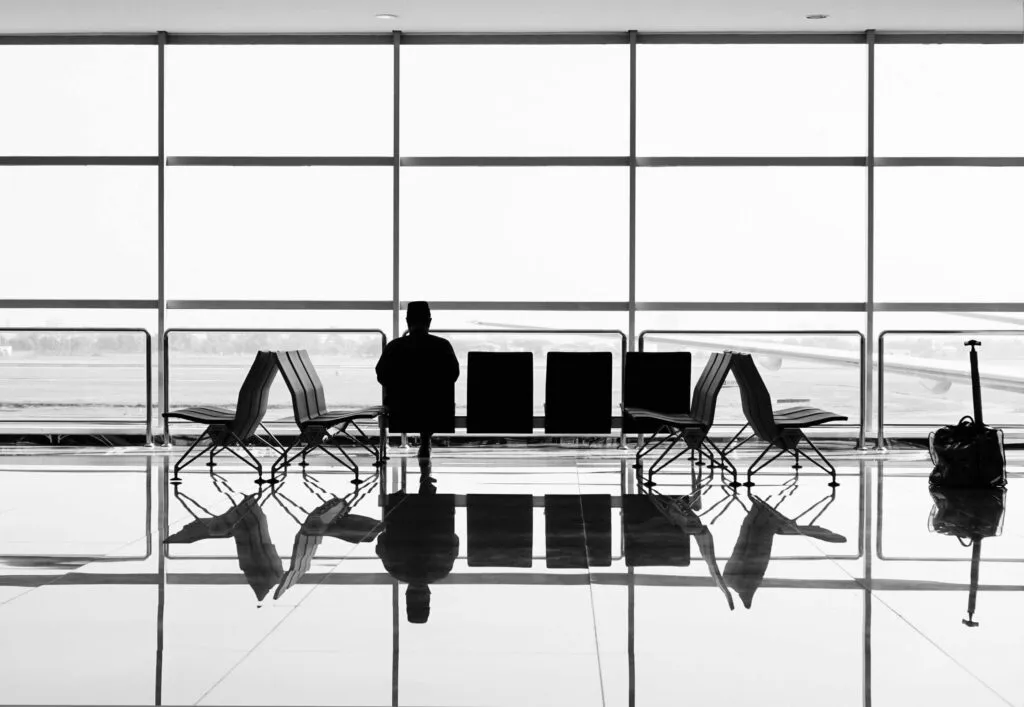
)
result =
(969, 454)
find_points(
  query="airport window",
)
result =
(279, 233)
(515, 100)
(78, 232)
(279, 100)
(948, 234)
(78, 100)
(949, 100)
(514, 233)
(750, 234)
(753, 100)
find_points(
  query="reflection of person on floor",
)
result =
(417, 371)
(419, 544)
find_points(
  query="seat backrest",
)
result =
(705, 392)
(313, 382)
(303, 397)
(254, 394)
(757, 402)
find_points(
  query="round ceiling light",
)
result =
(386, 16)
(817, 17)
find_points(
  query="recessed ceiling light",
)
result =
(386, 16)
(817, 17)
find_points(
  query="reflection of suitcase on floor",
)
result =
(969, 515)
(969, 454)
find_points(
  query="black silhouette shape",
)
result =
(692, 429)
(247, 524)
(651, 540)
(578, 393)
(500, 529)
(418, 372)
(226, 427)
(499, 392)
(783, 429)
(578, 530)
(419, 545)
(316, 422)
(655, 381)
(970, 515)
(745, 570)
(332, 518)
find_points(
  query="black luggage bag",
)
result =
(969, 454)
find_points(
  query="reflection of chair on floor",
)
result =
(578, 530)
(499, 529)
(315, 421)
(332, 518)
(682, 513)
(247, 524)
(226, 427)
(690, 429)
(783, 429)
(745, 570)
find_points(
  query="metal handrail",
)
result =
(880, 442)
(623, 340)
(107, 330)
(862, 403)
(167, 361)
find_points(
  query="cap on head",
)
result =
(417, 603)
(417, 312)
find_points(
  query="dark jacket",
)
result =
(418, 372)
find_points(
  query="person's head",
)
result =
(417, 603)
(417, 316)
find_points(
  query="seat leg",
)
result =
(825, 465)
(756, 467)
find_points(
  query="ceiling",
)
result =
(32, 16)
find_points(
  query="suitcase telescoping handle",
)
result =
(975, 381)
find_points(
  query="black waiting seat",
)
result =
(499, 392)
(657, 381)
(227, 427)
(784, 429)
(690, 429)
(316, 422)
(578, 393)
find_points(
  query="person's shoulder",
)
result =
(438, 340)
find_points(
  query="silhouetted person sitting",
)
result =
(419, 544)
(418, 371)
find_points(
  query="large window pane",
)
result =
(279, 233)
(279, 100)
(495, 233)
(947, 100)
(509, 100)
(751, 100)
(750, 234)
(78, 232)
(948, 234)
(78, 100)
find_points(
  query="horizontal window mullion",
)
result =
(751, 38)
(740, 161)
(85, 39)
(278, 161)
(78, 304)
(380, 305)
(514, 38)
(497, 306)
(949, 161)
(285, 38)
(515, 161)
(751, 306)
(78, 160)
(941, 307)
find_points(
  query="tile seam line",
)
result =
(277, 625)
(590, 590)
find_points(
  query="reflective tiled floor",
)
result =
(503, 578)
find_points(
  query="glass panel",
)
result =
(78, 100)
(521, 233)
(280, 100)
(948, 234)
(279, 233)
(509, 100)
(947, 100)
(751, 234)
(751, 100)
(78, 232)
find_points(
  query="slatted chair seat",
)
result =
(782, 430)
(238, 427)
(316, 422)
(691, 430)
